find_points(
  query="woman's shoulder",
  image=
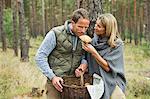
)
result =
(119, 42)
(119, 46)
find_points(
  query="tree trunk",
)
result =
(24, 43)
(3, 35)
(43, 17)
(123, 20)
(33, 21)
(142, 23)
(129, 20)
(145, 20)
(118, 15)
(46, 20)
(113, 7)
(148, 25)
(31, 27)
(15, 34)
(135, 24)
(63, 10)
(50, 13)
(94, 8)
(35, 29)
(82, 4)
(55, 21)
(8, 3)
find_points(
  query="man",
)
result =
(61, 50)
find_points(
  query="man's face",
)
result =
(80, 27)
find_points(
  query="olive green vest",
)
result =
(63, 60)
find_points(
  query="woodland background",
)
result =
(24, 23)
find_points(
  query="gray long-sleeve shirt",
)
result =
(43, 52)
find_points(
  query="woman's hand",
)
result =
(89, 48)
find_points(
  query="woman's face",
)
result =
(99, 29)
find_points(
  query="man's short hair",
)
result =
(80, 13)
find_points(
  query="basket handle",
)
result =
(81, 78)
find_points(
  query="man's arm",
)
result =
(47, 46)
(44, 50)
(84, 64)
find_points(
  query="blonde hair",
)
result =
(110, 23)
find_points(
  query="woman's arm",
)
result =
(102, 62)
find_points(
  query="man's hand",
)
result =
(57, 81)
(81, 69)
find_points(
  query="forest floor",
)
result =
(23, 79)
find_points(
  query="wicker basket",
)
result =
(72, 88)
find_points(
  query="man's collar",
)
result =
(70, 28)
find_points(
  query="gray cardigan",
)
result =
(114, 57)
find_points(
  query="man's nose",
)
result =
(83, 30)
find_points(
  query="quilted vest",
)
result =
(63, 60)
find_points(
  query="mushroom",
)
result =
(85, 38)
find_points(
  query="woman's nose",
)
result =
(95, 26)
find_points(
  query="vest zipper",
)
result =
(72, 56)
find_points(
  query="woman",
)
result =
(105, 56)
